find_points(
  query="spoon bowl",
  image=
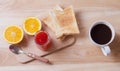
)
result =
(15, 49)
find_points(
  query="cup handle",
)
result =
(106, 50)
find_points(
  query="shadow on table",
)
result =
(25, 42)
(80, 25)
(115, 48)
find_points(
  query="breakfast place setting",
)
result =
(59, 36)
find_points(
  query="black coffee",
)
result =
(101, 34)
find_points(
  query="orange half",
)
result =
(32, 25)
(13, 34)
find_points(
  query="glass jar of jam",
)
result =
(43, 40)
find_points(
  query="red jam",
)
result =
(43, 39)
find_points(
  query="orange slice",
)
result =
(13, 34)
(32, 25)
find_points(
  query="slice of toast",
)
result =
(51, 22)
(67, 21)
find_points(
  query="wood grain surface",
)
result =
(83, 55)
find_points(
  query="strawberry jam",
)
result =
(42, 38)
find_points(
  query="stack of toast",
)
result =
(62, 21)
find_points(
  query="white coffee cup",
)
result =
(104, 47)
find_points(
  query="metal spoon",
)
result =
(17, 50)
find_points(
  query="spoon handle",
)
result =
(38, 58)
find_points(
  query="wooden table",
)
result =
(83, 55)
